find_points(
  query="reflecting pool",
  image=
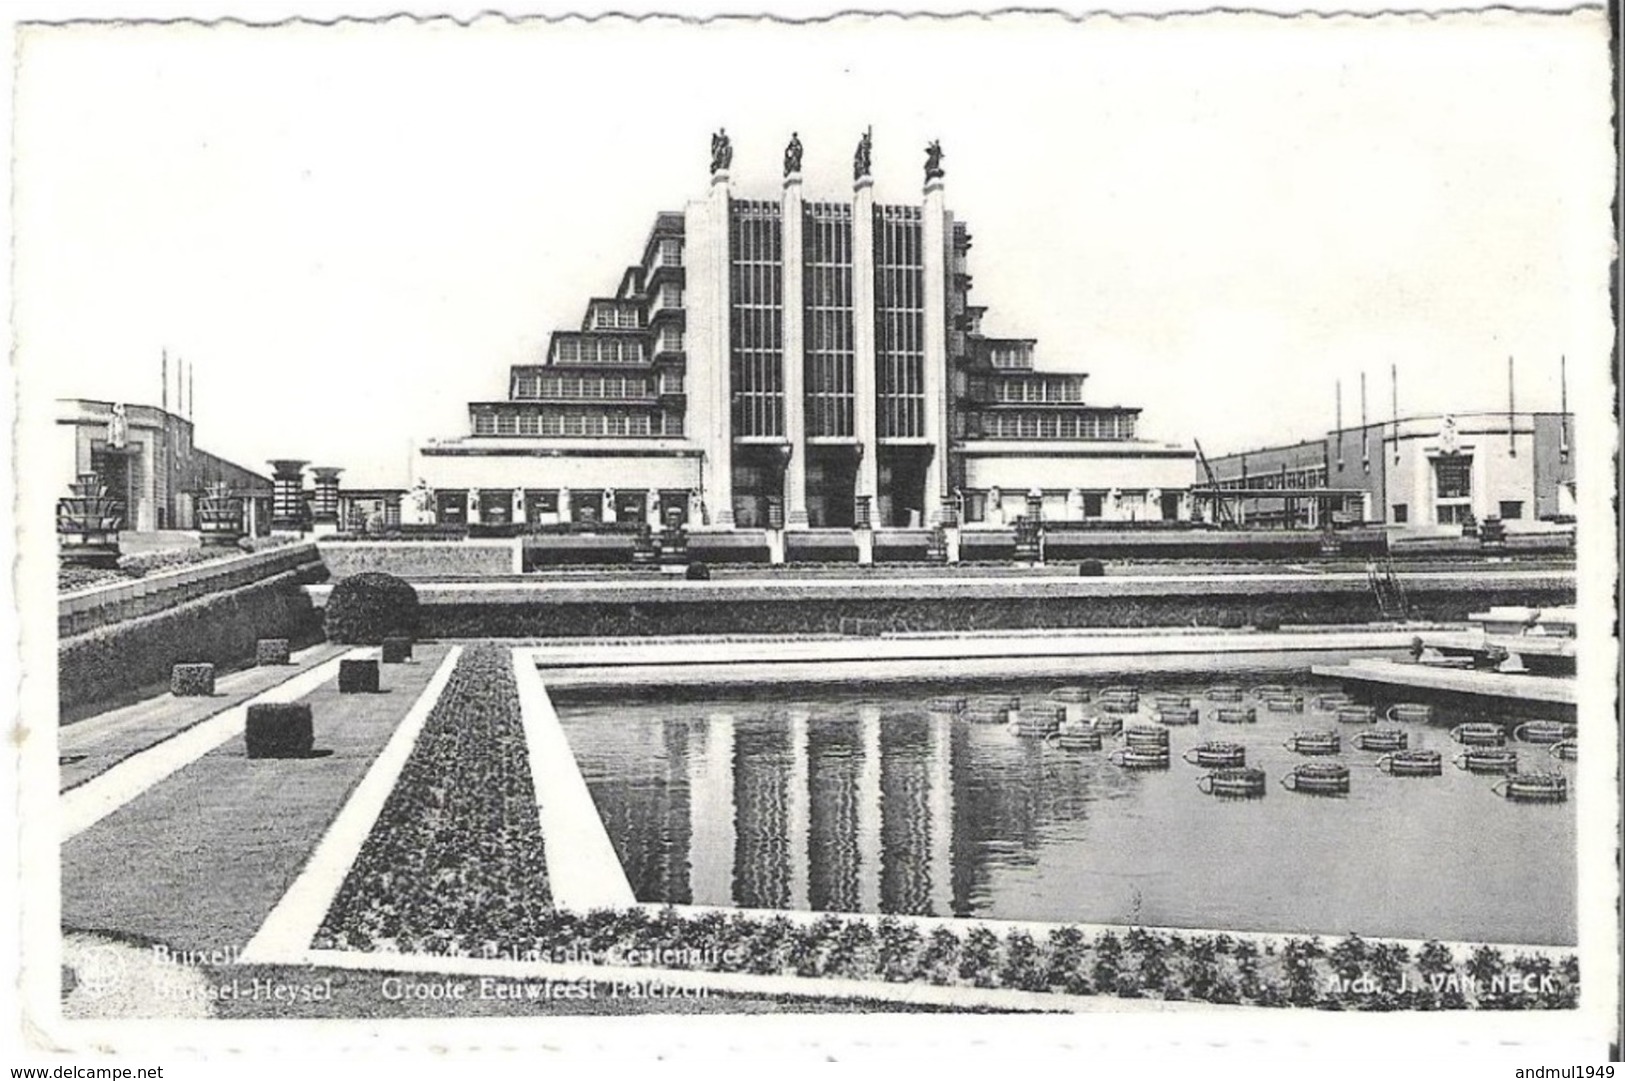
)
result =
(835, 799)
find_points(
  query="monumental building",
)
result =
(802, 363)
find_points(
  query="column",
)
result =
(863, 340)
(934, 251)
(711, 813)
(798, 811)
(869, 811)
(287, 494)
(940, 807)
(325, 497)
(795, 366)
(720, 477)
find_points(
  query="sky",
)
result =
(351, 232)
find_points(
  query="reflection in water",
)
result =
(858, 804)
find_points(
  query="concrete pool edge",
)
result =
(601, 666)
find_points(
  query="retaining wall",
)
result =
(136, 654)
(422, 559)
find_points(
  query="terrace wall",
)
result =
(221, 628)
(836, 607)
(422, 559)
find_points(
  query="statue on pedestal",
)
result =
(652, 509)
(792, 155)
(933, 160)
(995, 507)
(861, 159)
(722, 151)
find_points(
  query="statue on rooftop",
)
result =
(118, 428)
(860, 160)
(933, 160)
(792, 155)
(722, 151)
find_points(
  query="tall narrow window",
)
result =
(827, 283)
(756, 319)
(899, 323)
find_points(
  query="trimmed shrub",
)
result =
(191, 680)
(697, 572)
(397, 650)
(364, 609)
(1091, 568)
(269, 651)
(279, 730)
(358, 677)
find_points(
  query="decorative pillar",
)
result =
(863, 337)
(711, 813)
(795, 351)
(720, 476)
(518, 515)
(798, 812)
(934, 252)
(564, 505)
(287, 495)
(324, 509)
(868, 811)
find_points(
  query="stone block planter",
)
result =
(270, 651)
(279, 730)
(191, 680)
(397, 650)
(358, 677)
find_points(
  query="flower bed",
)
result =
(1349, 974)
(457, 852)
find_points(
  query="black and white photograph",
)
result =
(1030, 531)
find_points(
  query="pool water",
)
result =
(840, 800)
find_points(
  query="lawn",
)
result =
(200, 859)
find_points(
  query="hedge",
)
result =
(419, 559)
(800, 615)
(191, 680)
(269, 651)
(397, 650)
(358, 677)
(222, 629)
(279, 730)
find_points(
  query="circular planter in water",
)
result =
(1077, 736)
(1271, 690)
(1074, 695)
(1533, 787)
(1224, 694)
(981, 715)
(1118, 705)
(1144, 736)
(1119, 690)
(1174, 715)
(1006, 702)
(1236, 716)
(1139, 757)
(1109, 725)
(1356, 715)
(1318, 779)
(1245, 783)
(1283, 704)
(1382, 739)
(1329, 703)
(1314, 742)
(1488, 760)
(1479, 734)
(1420, 763)
(1172, 701)
(1217, 754)
(1568, 750)
(1410, 712)
(1542, 732)
(1035, 723)
(944, 704)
